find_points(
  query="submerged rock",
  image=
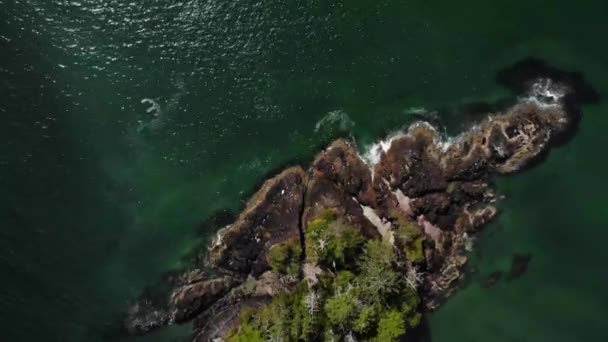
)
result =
(421, 193)
(491, 279)
(519, 265)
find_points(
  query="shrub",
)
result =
(415, 251)
(366, 320)
(328, 215)
(378, 253)
(340, 308)
(330, 241)
(343, 242)
(286, 257)
(410, 298)
(411, 240)
(343, 278)
(316, 235)
(378, 277)
(391, 327)
(329, 335)
(246, 333)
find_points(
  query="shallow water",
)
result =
(100, 197)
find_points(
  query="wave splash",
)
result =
(336, 120)
(543, 92)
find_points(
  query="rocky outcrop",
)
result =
(271, 216)
(189, 300)
(189, 294)
(436, 191)
(340, 180)
(505, 142)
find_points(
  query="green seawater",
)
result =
(99, 197)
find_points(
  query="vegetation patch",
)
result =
(411, 240)
(362, 293)
(330, 242)
(286, 257)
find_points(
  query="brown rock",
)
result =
(224, 316)
(272, 216)
(411, 163)
(342, 165)
(323, 194)
(190, 300)
(340, 180)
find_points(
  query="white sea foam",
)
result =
(336, 119)
(416, 110)
(544, 92)
(448, 141)
(157, 119)
(373, 153)
(154, 108)
(445, 144)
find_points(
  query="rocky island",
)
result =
(357, 247)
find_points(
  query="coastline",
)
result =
(417, 178)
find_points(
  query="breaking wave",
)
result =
(336, 120)
(546, 92)
(373, 152)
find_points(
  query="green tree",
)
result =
(411, 240)
(247, 333)
(378, 276)
(340, 308)
(366, 320)
(286, 257)
(391, 327)
(330, 241)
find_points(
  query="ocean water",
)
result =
(125, 125)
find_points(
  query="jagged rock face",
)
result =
(340, 180)
(191, 293)
(505, 143)
(411, 163)
(444, 209)
(191, 299)
(271, 216)
(342, 165)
